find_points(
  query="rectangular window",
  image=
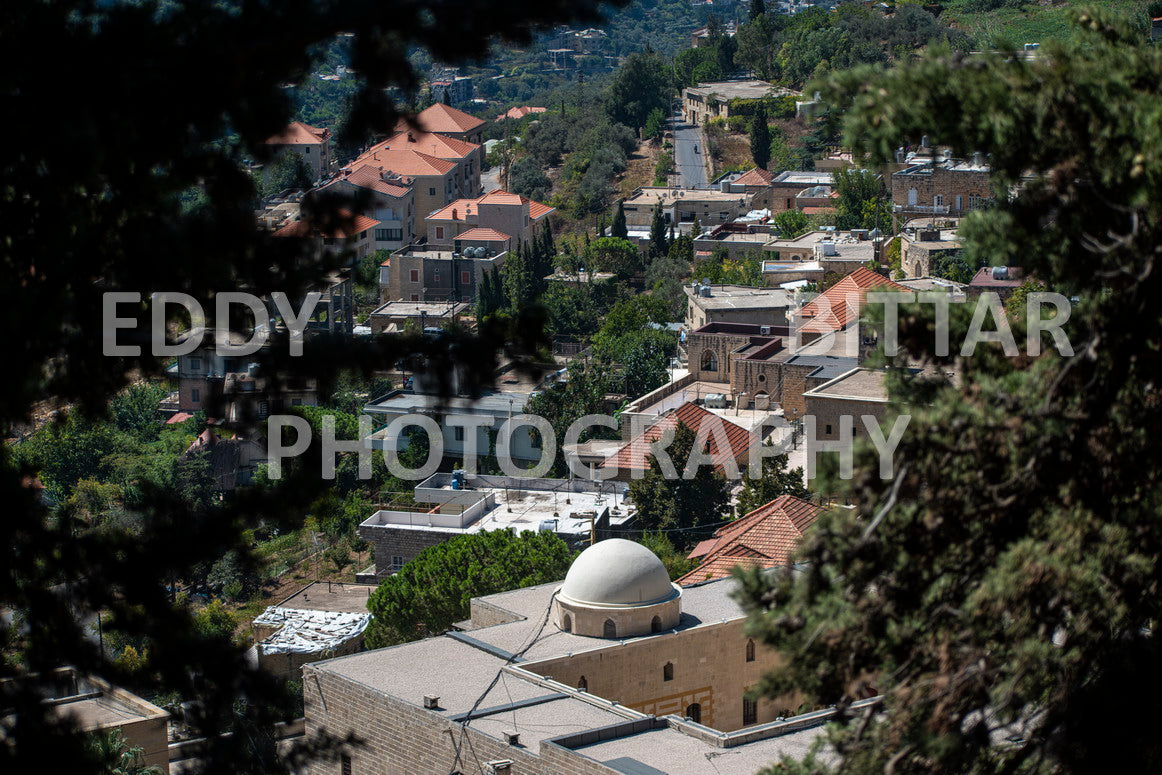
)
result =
(396, 562)
(938, 200)
(750, 711)
(307, 149)
(195, 364)
(431, 192)
(344, 765)
(465, 278)
(439, 232)
(458, 433)
(828, 431)
(415, 297)
(414, 275)
(296, 402)
(363, 234)
(195, 395)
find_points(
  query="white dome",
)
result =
(616, 572)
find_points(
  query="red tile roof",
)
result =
(756, 177)
(464, 208)
(371, 177)
(520, 112)
(404, 162)
(484, 235)
(636, 454)
(839, 305)
(766, 537)
(303, 229)
(443, 118)
(426, 142)
(298, 133)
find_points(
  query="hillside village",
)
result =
(690, 219)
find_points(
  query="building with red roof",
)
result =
(764, 538)
(726, 441)
(446, 120)
(519, 112)
(386, 196)
(435, 182)
(516, 216)
(468, 157)
(312, 143)
(840, 305)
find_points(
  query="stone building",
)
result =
(513, 692)
(787, 186)
(708, 101)
(684, 205)
(853, 395)
(707, 303)
(921, 249)
(941, 186)
(312, 143)
(758, 366)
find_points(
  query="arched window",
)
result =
(709, 360)
(656, 624)
(582, 684)
(750, 651)
(694, 713)
(668, 672)
(567, 623)
(610, 629)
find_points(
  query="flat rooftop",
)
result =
(416, 309)
(803, 178)
(844, 241)
(824, 366)
(740, 297)
(857, 384)
(749, 237)
(330, 596)
(696, 392)
(441, 254)
(730, 90)
(406, 402)
(665, 195)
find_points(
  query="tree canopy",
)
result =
(999, 592)
(433, 591)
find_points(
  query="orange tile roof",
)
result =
(485, 235)
(636, 454)
(427, 142)
(813, 210)
(301, 228)
(839, 305)
(463, 208)
(766, 537)
(371, 177)
(756, 177)
(443, 118)
(407, 162)
(520, 112)
(298, 133)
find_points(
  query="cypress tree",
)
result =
(659, 245)
(619, 229)
(760, 138)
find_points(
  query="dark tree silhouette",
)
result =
(125, 132)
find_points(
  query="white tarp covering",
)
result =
(307, 632)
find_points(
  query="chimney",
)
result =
(431, 701)
(455, 214)
(411, 137)
(511, 737)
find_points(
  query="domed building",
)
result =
(617, 589)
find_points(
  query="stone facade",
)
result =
(944, 188)
(625, 622)
(919, 253)
(708, 666)
(388, 543)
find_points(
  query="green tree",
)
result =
(677, 564)
(792, 223)
(680, 504)
(655, 125)
(659, 244)
(760, 138)
(776, 480)
(434, 590)
(619, 229)
(527, 178)
(641, 85)
(288, 171)
(992, 591)
(135, 411)
(860, 192)
(612, 254)
(1015, 305)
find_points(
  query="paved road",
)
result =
(490, 180)
(688, 152)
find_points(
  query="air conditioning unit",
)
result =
(431, 702)
(511, 737)
(498, 767)
(765, 330)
